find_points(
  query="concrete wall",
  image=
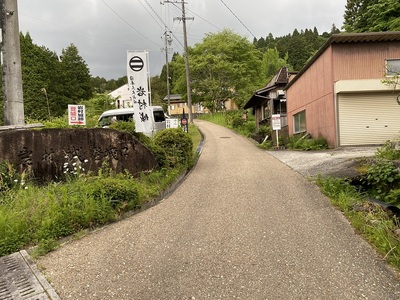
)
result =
(47, 153)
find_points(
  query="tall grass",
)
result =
(40, 215)
(370, 220)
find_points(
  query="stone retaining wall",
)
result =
(49, 154)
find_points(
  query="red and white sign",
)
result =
(76, 114)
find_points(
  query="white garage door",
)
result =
(368, 119)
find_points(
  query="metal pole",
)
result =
(186, 54)
(13, 102)
(167, 40)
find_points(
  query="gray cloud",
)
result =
(103, 30)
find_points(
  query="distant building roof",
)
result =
(174, 97)
(280, 79)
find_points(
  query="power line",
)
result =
(238, 19)
(126, 22)
(203, 19)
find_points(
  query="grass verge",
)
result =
(370, 220)
(32, 215)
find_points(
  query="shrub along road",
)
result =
(243, 225)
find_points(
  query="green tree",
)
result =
(158, 89)
(224, 66)
(272, 63)
(41, 75)
(98, 84)
(372, 15)
(76, 75)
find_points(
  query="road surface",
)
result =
(243, 225)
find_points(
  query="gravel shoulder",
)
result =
(341, 162)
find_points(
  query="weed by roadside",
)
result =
(381, 229)
(41, 215)
(234, 120)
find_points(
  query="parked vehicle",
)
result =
(156, 118)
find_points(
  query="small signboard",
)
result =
(171, 123)
(184, 125)
(76, 114)
(276, 122)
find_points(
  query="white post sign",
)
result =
(171, 123)
(139, 90)
(276, 125)
(76, 114)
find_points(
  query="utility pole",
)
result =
(168, 41)
(186, 56)
(13, 101)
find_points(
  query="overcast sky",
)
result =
(103, 30)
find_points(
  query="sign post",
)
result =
(276, 125)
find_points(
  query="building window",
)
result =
(299, 122)
(392, 67)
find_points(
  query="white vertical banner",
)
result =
(139, 89)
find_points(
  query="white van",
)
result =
(156, 118)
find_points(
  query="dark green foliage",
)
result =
(124, 126)
(75, 75)
(381, 177)
(160, 154)
(393, 197)
(306, 142)
(224, 66)
(372, 15)
(177, 145)
(390, 150)
(296, 48)
(50, 84)
(42, 82)
(261, 133)
(117, 190)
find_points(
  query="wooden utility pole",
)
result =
(186, 56)
(13, 102)
(168, 41)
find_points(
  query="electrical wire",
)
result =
(238, 18)
(127, 23)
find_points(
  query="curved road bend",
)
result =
(242, 225)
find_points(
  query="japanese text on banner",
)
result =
(138, 87)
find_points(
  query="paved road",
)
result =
(243, 225)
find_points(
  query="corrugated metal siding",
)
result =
(363, 61)
(368, 119)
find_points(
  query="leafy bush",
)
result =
(265, 145)
(119, 191)
(390, 150)
(178, 146)
(124, 126)
(237, 122)
(306, 142)
(393, 197)
(381, 177)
